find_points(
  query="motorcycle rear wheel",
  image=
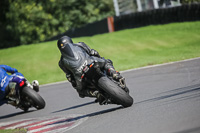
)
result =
(116, 93)
(33, 97)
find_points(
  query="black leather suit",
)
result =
(73, 61)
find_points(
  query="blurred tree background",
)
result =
(28, 21)
(33, 21)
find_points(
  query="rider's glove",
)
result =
(94, 53)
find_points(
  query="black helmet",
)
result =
(64, 45)
(64, 40)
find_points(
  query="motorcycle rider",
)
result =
(73, 56)
(6, 86)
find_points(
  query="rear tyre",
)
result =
(33, 98)
(116, 93)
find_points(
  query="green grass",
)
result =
(13, 131)
(128, 49)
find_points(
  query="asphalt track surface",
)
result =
(167, 99)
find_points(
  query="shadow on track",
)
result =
(74, 107)
(14, 114)
(192, 130)
(179, 94)
(90, 115)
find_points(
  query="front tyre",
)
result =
(33, 98)
(116, 93)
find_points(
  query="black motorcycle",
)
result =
(23, 96)
(114, 92)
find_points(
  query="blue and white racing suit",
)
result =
(4, 80)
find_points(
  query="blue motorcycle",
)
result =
(22, 95)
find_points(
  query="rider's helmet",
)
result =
(64, 45)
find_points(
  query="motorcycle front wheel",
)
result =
(116, 93)
(33, 98)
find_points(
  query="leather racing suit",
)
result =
(73, 59)
(4, 81)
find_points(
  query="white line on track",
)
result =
(135, 69)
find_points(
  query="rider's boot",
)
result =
(14, 103)
(115, 74)
(93, 93)
(99, 97)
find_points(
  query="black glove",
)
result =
(94, 53)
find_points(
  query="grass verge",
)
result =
(128, 49)
(13, 131)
